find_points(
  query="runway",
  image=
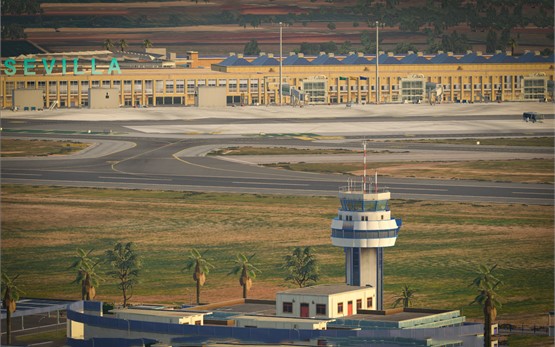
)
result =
(165, 148)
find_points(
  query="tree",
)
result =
(404, 47)
(13, 32)
(201, 266)
(123, 45)
(309, 48)
(125, 263)
(406, 297)
(346, 47)
(331, 26)
(302, 267)
(108, 44)
(147, 43)
(86, 273)
(486, 284)
(10, 295)
(246, 268)
(491, 41)
(251, 48)
(512, 44)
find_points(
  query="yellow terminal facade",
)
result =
(155, 77)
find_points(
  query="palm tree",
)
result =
(86, 274)
(201, 267)
(244, 265)
(10, 295)
(123, 45)
(108, 44)
(126, 263)
(512, 44)
(301, 266)
(147, 43)
(486, 284)
(406, 297)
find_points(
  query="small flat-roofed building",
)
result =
(274, 322)
(325, 301)
(160, 316)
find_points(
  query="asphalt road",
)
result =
(127, 158)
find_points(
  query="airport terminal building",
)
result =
(105, 79)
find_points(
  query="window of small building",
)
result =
(368, 302)
(321, 309)
(287, 307)
(340, 307)
(359, 304)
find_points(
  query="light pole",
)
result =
(280, 59)
(377, 64)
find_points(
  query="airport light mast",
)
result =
(363, 227)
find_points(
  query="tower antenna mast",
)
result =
(364, 172)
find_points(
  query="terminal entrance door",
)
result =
(304, 310)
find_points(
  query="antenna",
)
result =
(364, 173)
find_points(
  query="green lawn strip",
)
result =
(514, 340)
(437, 252)
(26, 148)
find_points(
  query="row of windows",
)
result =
(309, 87)
(350, 218)
(362, 206)
(321, 308)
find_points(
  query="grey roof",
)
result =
(472, 58)
(387, 59)
(235, 61)
(354, 59)
(265, 60)
(27, 307)
(414, 59)
(444, 59)
(295, 60)
(502, 58)
(324, 289)
(530, 57)
(325, 59)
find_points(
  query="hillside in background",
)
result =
(310, 26)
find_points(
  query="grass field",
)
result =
(19, 147)
(524, 171)
(438, 249)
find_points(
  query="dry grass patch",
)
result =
(437, 251)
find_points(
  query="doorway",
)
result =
(304, 310)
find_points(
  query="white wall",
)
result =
(211, 96)
(104, 98)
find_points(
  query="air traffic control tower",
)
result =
(363, 227)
